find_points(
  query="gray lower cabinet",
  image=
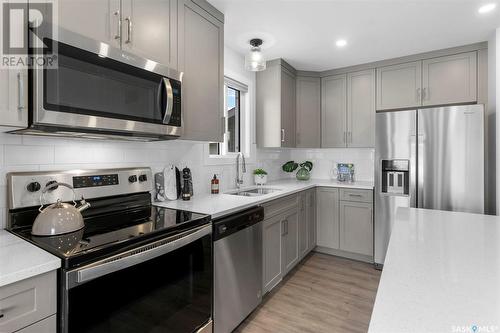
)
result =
(27, 302)
(276, 105)
(303, 225)
(345, 222)
(308, 112)
(290, 239)
(451, 79)
(328, 218)
(356, 227)
(311, 219)
(272, 261)
(201, 58)
(47, 325)
(334, 111)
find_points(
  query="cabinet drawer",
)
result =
(280, 205)
(48, 325)
(27, 301)
(356, 195)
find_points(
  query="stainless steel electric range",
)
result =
(134, 267)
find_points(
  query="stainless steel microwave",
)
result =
(99, 91)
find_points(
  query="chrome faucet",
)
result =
(239, 175)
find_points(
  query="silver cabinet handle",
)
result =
(418, 95)
(20, 87)
(350, 136)
(129, 30)
(355, 195)
(282, 135)
(283, 232)
(118, 35)
(286, 227)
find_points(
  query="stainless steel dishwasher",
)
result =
(238, 267)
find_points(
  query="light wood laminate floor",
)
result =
(322, 294)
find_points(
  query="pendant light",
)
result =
(254, 60)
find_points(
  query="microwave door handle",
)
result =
(159, 98)
(170, 101)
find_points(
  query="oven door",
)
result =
(161, 287)
(96, 88)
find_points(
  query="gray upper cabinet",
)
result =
(276, 105)
(149, 29)
(328, 218)
(451, 79)
(97, 19)
(146, 28)
(333, 111)
(361, 108)
(201, 58)
(288, 108)
(308, 112)
(399, 86)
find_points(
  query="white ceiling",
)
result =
(303, 32)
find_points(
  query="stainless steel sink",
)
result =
(255, 192)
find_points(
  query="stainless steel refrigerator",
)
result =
(427, 158)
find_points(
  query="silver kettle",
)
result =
(59, 218)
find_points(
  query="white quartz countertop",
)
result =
(441, 274)
(218, 205)
(20, 259)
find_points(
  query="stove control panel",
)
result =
(24, 188)
(95, 180)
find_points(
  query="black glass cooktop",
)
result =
(108, 231)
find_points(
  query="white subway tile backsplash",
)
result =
(20, 154)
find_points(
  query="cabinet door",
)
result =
(399, 86)
(308, 112)
(288, 109)
(48, 325)
(311, 219)
(272, 243)
(327, 230)
(201, 58)
(291, 240)
(449, 80)
(149, 29)
(333, 111)
(361, 108)
(303, 225)
(356, 227)
(96, 19)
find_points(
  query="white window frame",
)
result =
(226, 157)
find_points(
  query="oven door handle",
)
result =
(170, 101)
(134, 257)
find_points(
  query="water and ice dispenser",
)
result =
(396, 177)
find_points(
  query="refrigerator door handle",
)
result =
(420, 176)
(413, 171)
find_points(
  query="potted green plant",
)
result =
(304, 172)
(260, 176)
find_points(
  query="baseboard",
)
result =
(344, 254)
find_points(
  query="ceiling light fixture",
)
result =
(486, 8)
(254, 60)
(341, 43)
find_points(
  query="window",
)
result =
(234, 93)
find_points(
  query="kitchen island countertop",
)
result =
(441, 274)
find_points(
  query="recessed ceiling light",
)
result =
(341, 43)
(486, 8)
